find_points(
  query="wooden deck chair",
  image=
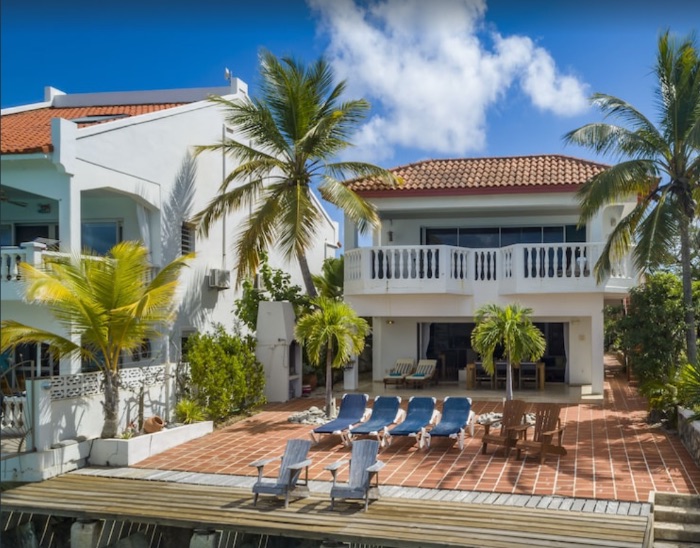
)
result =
(364, 470)
(456, 416)
(353, 409)
(293, 462)
(506, 436)
(398, 373)
(424, 374)
(548, 429)
(385, 412)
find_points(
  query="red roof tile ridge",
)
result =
(505, 157)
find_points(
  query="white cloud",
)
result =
(428, 75)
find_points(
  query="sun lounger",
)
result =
(385, 412)
(421, 413)
(424, 374)
(456, 415)
(353, 409)
(398, 373)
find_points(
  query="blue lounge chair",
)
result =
(457, 414)
(364, 467)
(421, 413)
(353, 409)
(385, 411)
(293, 462)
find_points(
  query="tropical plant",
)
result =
(275, 285)
(511, 329)
(659, 165)
(106, 306)
(188, 411)
(226, 375)
(285, 146)
(689, 389)
(333, 333)
(330, 283)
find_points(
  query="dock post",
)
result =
(84, 533)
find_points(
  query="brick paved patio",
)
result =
(612, 453)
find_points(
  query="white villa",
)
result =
(89, 170)
(462, 233)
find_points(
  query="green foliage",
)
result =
(189, 411)
(289, 138)
(332, 333)
(510, 328)
(276, 286)
(653, 330)
(226, 376)
(612, 316)
(331, 282)
(689, 388)
(111, 302)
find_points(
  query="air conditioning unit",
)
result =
(219, 279)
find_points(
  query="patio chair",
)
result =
(424, 374)
(456, 415)
(420, 414)
(385, 411)
(527, 372)
(548, 429)
(353, 409)
(398, 373)
(513, 413)
(293, 462)
(364, 469)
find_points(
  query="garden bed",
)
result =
(126, 452)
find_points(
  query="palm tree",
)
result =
(331, 331)
(331, 282)
(287, 140)
(108, 302)
(659, 164)
(513, 330)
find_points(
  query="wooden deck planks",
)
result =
(389, 521)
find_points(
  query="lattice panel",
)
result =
(89, 384)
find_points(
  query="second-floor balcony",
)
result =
(520, 268)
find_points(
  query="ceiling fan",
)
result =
(4, 198)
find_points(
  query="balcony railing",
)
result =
(521, 268)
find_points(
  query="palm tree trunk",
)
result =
(509, 381)
(687, 276)
(111, 404)
(329, 380)
(306, 275)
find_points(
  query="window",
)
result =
(100, 236)
(187, 238)
(5, 234)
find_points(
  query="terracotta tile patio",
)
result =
(612, 453)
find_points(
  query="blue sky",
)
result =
(446, 78)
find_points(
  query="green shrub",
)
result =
(189, 411)
(226, 376)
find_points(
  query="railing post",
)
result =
(34, 251)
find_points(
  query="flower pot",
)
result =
(153, 424)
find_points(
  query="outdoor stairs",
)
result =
(676, 520)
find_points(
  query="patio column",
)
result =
(597, 354)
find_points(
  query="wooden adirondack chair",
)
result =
(548, 429)
(293, 462)
(364, 468)
(506, 436)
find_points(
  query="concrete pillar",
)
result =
(597, 354)
(350, 375)
(43, 434)
(204, 538)
(85, 533)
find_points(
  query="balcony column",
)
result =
(69, 216)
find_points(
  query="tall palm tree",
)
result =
(660, 164)
(108, 302)
(287, 140)
(331, 331)
(512, 329)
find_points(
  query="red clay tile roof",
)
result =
(30, 131)
(481, 175)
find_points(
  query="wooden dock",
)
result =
(390, 522)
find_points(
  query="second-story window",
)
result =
(100, 236)
(187, 238)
